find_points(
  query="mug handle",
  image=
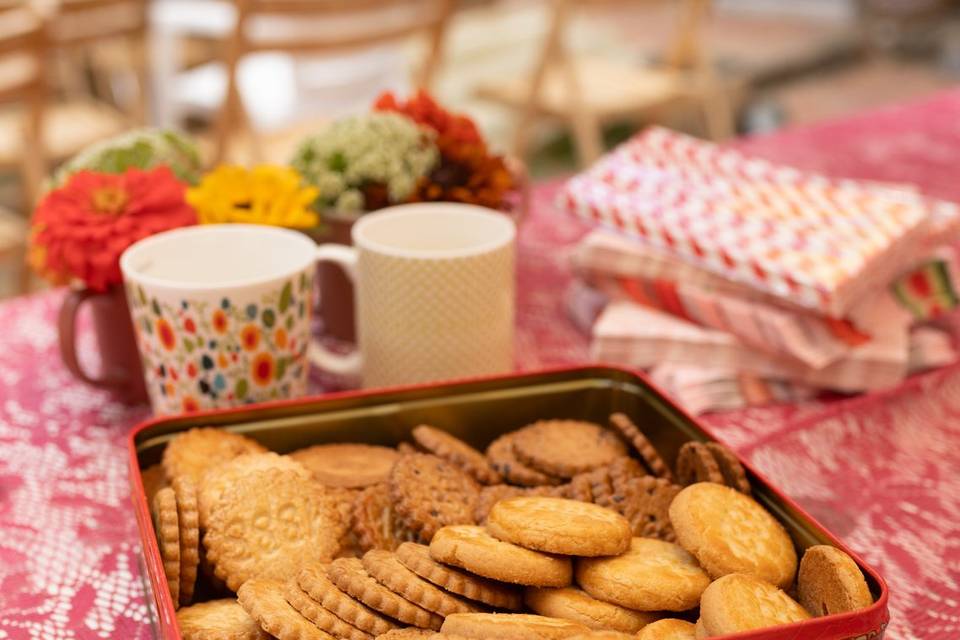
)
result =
(67, 325)
(349, 365)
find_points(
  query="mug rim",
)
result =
(130, 273)
(506, 236)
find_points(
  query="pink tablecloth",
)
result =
(882, 471)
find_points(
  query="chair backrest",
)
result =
(22, 81)
(76, 23)
(324, 26)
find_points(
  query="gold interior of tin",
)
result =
(477, 412)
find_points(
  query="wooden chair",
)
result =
(23, 90)
(321, 26)
(73, 116)
(587, 92)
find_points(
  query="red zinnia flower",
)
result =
(80, 229)
(262, 369)
(424, 110)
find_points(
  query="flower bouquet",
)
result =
(399, 152)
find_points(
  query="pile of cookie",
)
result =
(557, 531)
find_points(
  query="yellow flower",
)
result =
(263, 195)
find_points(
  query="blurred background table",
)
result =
(879, 470)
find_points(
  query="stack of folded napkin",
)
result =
(736, 281)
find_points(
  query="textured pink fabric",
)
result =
(883, 471)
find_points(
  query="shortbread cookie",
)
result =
(268, 524)
(221, 477)
(263, 600)
(695, 463)
(473, 549)
(577, 605)
(167, 528)
(318, 615)
(730, 467)
(504, 460)
(652, 575)
(645, 503)
(516, 626)
(565, 448)
(218, 620)
(386, 569)
(740, 602)
(493, 494)
(193, 452)
(830, 582)
(429, 493)
(454, 450)
(416, 557)
(154, 479)
(187, 521)
(350, 576)
(729, 532)
(351, 466)
(668, 629)
(641, 444)
(558, 525)
(313, 579)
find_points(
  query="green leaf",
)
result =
(188, 346)
(269, 318)
(240, 389)
(281, 367)
(286, 297)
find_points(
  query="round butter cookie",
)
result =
(193, 452)
(668, 629)
(729, 532)
(349, 466)
(154, 479)
(416, 557)
(167, 528)
(263, 600)
(652, 575)
(558, 525)
(831, 582)
(386, 569)
(218, 620)
(494, 493)
(565, 448)
(408, 633)
(454, 450)
(473, 549)
(350, 576)
(516, 626)
(268, 524)
(570, 603)
(221, 477)
(699, 631)
(315, 583)
(504, 460)
(603, 635)
(741, 602)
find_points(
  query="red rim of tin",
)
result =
(877, 615)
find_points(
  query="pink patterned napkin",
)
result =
(817, 242)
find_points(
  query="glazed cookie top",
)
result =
(740, 602)
(652, 575)
(559, 525)
(730, 532)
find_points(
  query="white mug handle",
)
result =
(349, 365)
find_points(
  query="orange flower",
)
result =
(167, 338)
(222, 361)
(262, 369)
(219, 321)
(250, 337)
(190, 404)
(280, 337)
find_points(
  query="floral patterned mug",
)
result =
(221, 313)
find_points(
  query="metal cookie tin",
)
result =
(478, 411)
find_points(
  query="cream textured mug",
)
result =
(435, 288)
